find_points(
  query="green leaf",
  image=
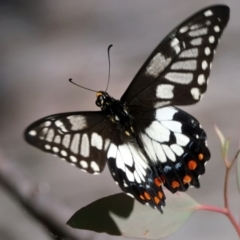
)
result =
(121, 215)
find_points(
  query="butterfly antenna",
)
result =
(109, 66)
(71, 81)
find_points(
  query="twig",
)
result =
(226, 210)
(49, 213)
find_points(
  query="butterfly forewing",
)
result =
(81, 138)
(178, 69)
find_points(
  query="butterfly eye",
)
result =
(99, 101)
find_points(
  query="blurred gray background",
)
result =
(43, 43)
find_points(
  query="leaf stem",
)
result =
(225, 193)
(224, 211)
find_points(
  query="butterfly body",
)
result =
(145, 140)
(116, 112)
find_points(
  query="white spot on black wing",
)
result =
(78, 122)
(75, 143)
(181, 78)
(195, 93)
(33, 133)
(157, 65)
(85, 145)
(185, 65)
(165, 91)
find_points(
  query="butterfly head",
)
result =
(102, 99)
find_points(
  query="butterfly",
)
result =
(145, 140)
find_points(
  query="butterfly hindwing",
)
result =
(177, 71)
(131, 171)
(175, 144)
(81, 138)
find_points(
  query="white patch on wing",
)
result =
(189, 53)
(158, 132)
(208, 13)
(120, 161)
(147, 142)
(195, 26)
(195, 93)
(165, 113)
(43, 133)
(201, 79)
(85, 145)
(66, 140)
(161, 156)
(73, 159)
(112, 151)
(196, 41)
(139, 158)
(32, 133)
(47, 146)
(164, 91)
(216, 28)
(173, 126)
(157, 65)
(83, 164)
(126, 154)
(58, 123)
(78, 122)
(47, 123)
(177, 149)
(129, 175)
(207, 51)
(181, 78)
(204, 64)
(50, 135)
(198, 32)
(181, 139)
(63, 153)
(169, 153)
(185, 65)
(55, 149)
(97, 141)
(75, 143)
(57, 139)
(211, 39)
(94, 166)
(137, 178)
(175, 44)
(183, 29)
(106, 144)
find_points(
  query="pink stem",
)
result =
(212, 209)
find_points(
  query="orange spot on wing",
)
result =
(157, 182)
(187, 179)
(160, 194)
(175, 184)
(200, 156)
(147, 196)
(156, 200)
(192, 164)
(142, 197)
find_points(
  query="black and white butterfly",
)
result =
(146, 141)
